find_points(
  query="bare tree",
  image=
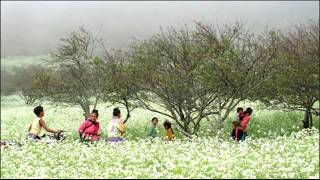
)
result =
(34, 88)
(239, 64)
(120, 86)
(77, 79)
(296, 86)
(195, 74)
(169, 65)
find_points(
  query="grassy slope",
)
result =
(9, 63)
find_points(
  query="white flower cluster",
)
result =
(267, 153)
(295, 156)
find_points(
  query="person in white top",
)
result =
(116, 128)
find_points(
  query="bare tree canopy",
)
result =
(296, 85)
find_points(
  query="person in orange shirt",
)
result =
(169, 132)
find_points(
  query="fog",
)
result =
(34, 28)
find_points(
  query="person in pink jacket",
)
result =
(89, 129)
(245, 121)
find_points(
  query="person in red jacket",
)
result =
(245, 122)
(89, 129)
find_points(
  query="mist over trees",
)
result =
(34, 28)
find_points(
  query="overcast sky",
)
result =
(33, 28)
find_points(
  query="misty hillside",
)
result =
(33, 28)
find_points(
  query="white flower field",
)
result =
(160, 90)
(291, 155)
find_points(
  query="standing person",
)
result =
(37, 124)
(169, 132)
(152, 128)
(89, 129)
(237, 132)
(245, 121)
(116, 128)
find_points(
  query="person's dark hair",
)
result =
(167, 124)
(116, 111)
(96, 112)
(249, 110)
(239, 109)
(37, 110)
(154, 118)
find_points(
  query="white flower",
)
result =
(294, 156)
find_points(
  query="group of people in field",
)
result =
(89, 129)
(239, 131)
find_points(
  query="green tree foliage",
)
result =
(239, 62)
(77, 78)
(120, 85)
(296, 85)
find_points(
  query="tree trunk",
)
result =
(96, 102)
(219, 125)
(306, 120)
(128, 111)
(196, 129)
(220, 118)
(186, 127)
(311, 123)
(187, 134)
(86, 110)
(211, 126)
(128, 116)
